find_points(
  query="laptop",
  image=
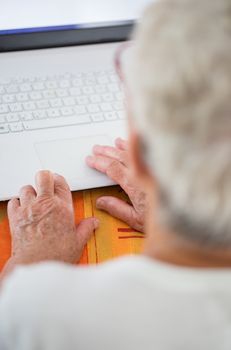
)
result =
(59, 93)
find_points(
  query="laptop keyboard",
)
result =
(63, 100)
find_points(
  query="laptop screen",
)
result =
(33, 16)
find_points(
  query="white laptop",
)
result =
(59, 93)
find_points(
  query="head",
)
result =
(179, 82)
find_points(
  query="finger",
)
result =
(12, 206)
(86, 229)
(119, 209)
(111, 152)
(61, 188)
(121, 144)
(27, 195)
(45, 183)
(99, 163)
(112, 168)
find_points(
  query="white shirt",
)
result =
(131, 303)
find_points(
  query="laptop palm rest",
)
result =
(67, 158)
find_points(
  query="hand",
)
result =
(114, 162)
(42, 223)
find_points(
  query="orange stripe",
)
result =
(123, 229)
(125, 237)
(93, 214)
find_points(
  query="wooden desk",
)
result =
(113, 238)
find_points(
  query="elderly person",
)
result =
(176, 294)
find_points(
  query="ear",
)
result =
(140, 168)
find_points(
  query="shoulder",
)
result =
(40, 280)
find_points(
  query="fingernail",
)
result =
(89, 160)
(99, 203)
(96, 223)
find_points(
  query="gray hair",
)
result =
(179, 78)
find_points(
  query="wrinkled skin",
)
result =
(114, 162)
(42, 223)
(42, 219)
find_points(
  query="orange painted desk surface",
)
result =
(112, 239)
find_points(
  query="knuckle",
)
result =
(44, 172)
(60, 177)
(123, 157)
(135, 220)
(62, 181)
(11, 203)
(43, 175)
(113, 168)
(26, 188)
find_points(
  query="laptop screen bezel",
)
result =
(61, 38)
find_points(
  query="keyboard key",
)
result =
(4, 128)
(53, 113)
(69, 101)
(26, 115)
(49, 94)
(95, 98)
(39, 86)
(11, 88)
(82, 100)
(2, 118)
(16, 127)
(29, 106)
(100, 89)
(110, 116)
(77, 82)
(64, 83)
(22, 97)
(108, 97)
(15, 107)
(2, 90)
(114, 78)
(51, 85)
(93, 108)
(61, 93)
(67, 111)
(89, 81)
(8, 98)
(119, 96)
(106, 107)
(42, 104)
(118, 105)
(4, 108)
(56, 122)
(103, 80)
(97, 117)
(80, 109)
(88, 90)
(56, 102)
(121, 114)
(88, 75)
(19, 80)
(74, 91)
(25, 87)
(39, 115)
(113, 88)
(36, 95)
(30, 79)
(4, 81)
(12, 117)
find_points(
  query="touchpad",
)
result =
(67, 158)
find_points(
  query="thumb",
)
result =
(86, 229)
(119, 209)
